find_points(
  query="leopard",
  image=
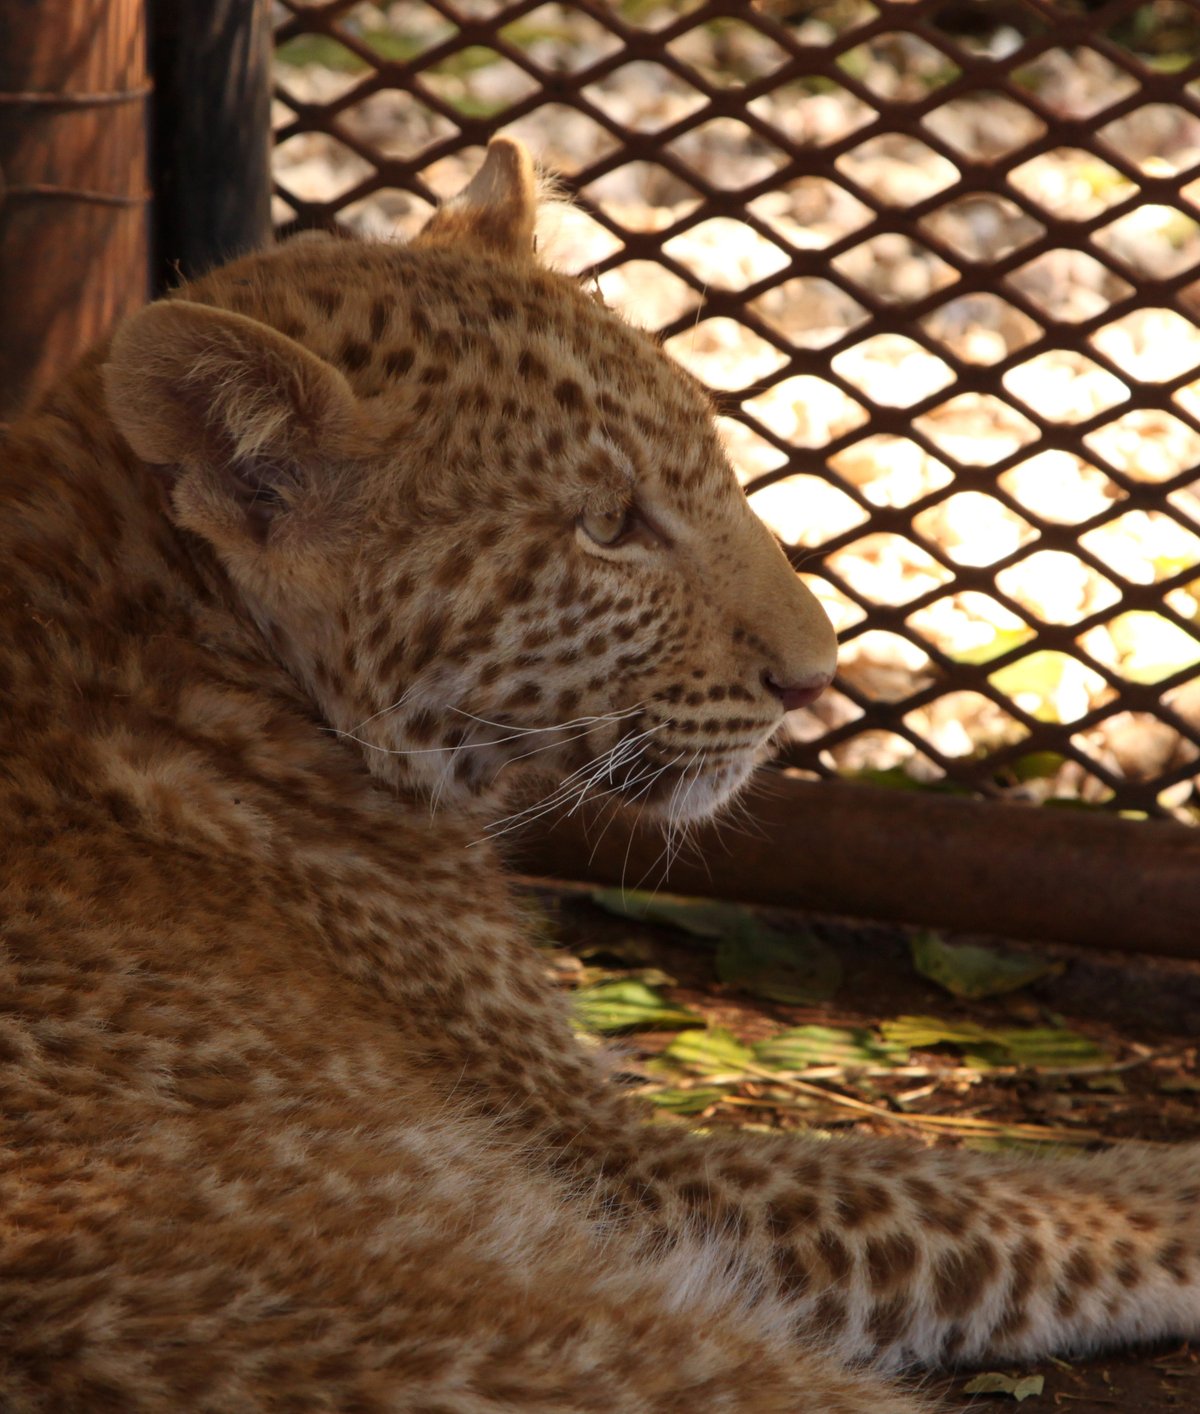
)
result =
(309, 572)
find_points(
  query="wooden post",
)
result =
(73, 224)
(212, 133)
(1017, 871)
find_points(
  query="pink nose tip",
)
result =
(797, 694)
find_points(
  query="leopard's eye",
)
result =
(609, 528)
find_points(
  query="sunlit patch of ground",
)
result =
(1105, 1050)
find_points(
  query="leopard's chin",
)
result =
(688, 792)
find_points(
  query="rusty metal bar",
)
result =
(73, 238)
(1064, 876)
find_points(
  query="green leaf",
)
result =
(1106, 1084)
(1020, 1387)
(897, 778)
(782, 967)
(1150, 646)
(1049, 1046)
(967, 970)
(984, 1046)
(711, 1052)
(1003, 640)
(921, 1032)
(702, 918)
(1037, 766)
(1038, 675)
(629, 1005)
(805, 1046)
(687, 1102)
(629, 952)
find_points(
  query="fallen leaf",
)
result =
(630, 952)
(805, 1046)
(1049, 1046)
(702, 918)
(712, 1051)
(1021, 1387)
(897, 778)
(1001, 641)
(1106, 1084)
(782, 967)
(987, 1046)
(629, 1005)
(968, 970)
(1037, 766)
(752, 956)
(687, 1102)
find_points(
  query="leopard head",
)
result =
(487, 525)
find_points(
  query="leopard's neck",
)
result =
(121, 627)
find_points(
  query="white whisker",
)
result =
(597, 766)
(645, 791)
(558, 727)
(514, 733)
(576, 787)
(670, 850)
(418, 750)
(391, 707)
(546, 746)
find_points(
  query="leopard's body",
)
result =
(293, 575)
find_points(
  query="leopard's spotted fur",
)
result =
(290, 1121)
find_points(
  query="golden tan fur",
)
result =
(298, 576)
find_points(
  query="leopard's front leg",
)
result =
(904, 1255)
(889, 1252)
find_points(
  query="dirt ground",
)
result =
(1141, 1016)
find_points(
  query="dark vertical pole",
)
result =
(212, 132)
(73, 219)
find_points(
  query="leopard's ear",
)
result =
(241, 411)
(495, 210)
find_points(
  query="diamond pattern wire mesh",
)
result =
(941, 264)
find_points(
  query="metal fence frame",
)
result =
(1046, 27)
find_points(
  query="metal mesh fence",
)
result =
(940, 262)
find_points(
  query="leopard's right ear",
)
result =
(246, 414)
(495, 211)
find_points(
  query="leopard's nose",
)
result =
(797, 694)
